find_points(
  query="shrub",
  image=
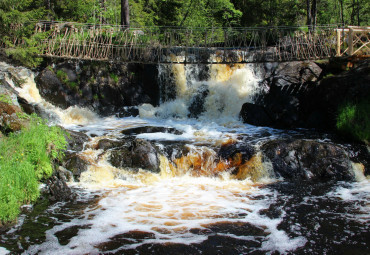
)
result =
(25, 159)
(354, 120)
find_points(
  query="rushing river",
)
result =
(194, 205)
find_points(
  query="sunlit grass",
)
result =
(354, 120)
(25, 159)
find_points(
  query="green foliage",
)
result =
(114, 77)
(354, 120)
(62, 76)
(328, 75)
(72, 85)
(25, 55)
(50, 68)
(26, 158)
(5, 99)
(95, 97)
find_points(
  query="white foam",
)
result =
(4, 251)
(164, 137)
(359, 193)
(168, 208)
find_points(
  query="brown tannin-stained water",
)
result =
(196, 202)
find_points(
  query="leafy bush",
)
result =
(354, 120)
(26, 158)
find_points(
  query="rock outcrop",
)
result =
(297, 160)
(306, 94)
(102, 88)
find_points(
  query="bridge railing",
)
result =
(162, 44)
(353, 40)
(195, 45)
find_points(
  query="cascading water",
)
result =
(197, 201)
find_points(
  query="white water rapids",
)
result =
(174, 206)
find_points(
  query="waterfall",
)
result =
(26, 88)
(212, 93)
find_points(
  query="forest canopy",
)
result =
(19, 40)
(202, 13)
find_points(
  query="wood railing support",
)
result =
(338, 43)
(350, 42)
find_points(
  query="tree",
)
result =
(311, 13)
(125, 14)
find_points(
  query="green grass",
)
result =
(26, 158)
(354, 120)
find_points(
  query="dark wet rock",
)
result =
(135, 154)
(150, 129)
(298, 72)
(116, 242)
(64, 236)
(255, 115)
(173, 149)
(128, 111)
(196, 106)
(360, 153)
(100, 87)
(238, 228)
(144, 155)
(54, 90)
(306, 94)
(228, 151)
(64, 174)
(27, 107)
(106, 144)
(121, 157)
(319, 108)
(75, 140)
(46, 114)
(74, 163)
(58, 190)
(307, 160)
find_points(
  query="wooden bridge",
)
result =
(199, 45)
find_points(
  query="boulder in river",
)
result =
(299, 159)
(135, 154)
(74, 163)
(144, 155)
(59, 190)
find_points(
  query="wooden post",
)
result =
(338, 42)
(350, 41)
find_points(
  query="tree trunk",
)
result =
(358, 13)
(309, 17)
(125, 14)
(314, 13)
(341, 12)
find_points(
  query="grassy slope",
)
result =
(25, 158)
